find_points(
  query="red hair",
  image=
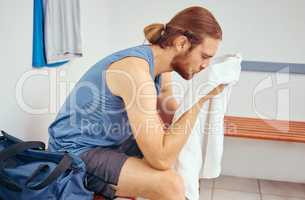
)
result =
(195, 23)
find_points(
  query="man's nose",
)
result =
(204, 65)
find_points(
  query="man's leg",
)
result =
(138, 179)
(122, 171)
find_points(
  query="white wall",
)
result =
(268, 31)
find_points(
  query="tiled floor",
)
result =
(234, 188)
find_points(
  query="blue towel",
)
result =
(38, 55)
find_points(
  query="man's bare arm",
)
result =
(159, 146)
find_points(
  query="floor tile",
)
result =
(205, 193)
(220, 194)
(273, 197)
(282, 188)
(236, 183)
(206, 183)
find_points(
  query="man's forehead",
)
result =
(205, 51)
(208, 47)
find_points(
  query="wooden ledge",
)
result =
(246, 127)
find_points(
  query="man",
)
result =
(118, 116)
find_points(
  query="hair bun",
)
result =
(153, 32)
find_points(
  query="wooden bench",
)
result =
(280, 130)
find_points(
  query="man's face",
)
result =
(188, 63)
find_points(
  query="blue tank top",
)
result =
(91, 115)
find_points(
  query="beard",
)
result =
(181, 65)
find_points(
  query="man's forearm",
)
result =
(178, 133)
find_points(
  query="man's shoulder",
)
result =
(131, 65)
(126, 74)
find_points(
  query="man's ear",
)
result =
(181, 43)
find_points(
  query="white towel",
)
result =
(62, 30)
(202, 154)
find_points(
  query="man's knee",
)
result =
(171, 186)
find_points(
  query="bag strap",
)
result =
(10, 152)
(9, 184)
(15, 149)
(63, 165)
(5, 135)
(41, 168)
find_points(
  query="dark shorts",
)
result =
(104, 164)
